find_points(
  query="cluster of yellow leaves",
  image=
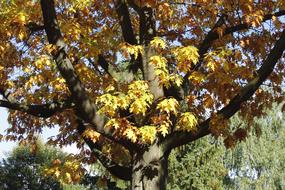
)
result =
(144, 134)
(186, 57)
(187, 122)
(138, 99)
(123, 128)
(42, 62)
(162, 72)
(72, 30)
(140, 96)
(164, 127)
(164, 11)
(111, 102)
(131, 134)
(128, 49)
(86, 74)
(158, 43)
(197, 77)
(91, 134)
(21, 18)
(67, 172)
(168, 105)
(148, 133)
(79, 4)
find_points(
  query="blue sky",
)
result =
(6, 147)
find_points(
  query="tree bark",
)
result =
(150, 169)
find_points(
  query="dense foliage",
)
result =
(257, 163)
(24, 168)
(134, 79)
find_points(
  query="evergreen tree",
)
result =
(256, 163)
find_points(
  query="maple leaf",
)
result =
(169, 105)
(130, 134)
(158, 42)
(148, 133)
(187, 122)
(164, 128)
(186, 57)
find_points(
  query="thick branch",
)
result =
(125, 22)
(122, 172)
(147, 33)
(214, 35)
(180, 138)
(85, 107)
(43, 110)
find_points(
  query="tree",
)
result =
(26, 166)
(24, 169)
(256, 163)
(198, 166)
(191, 65)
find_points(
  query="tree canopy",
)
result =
(24, 168)
(134, 79)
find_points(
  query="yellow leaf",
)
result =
(130, 134)
(131, 49)
(197, 77)
(164, 128)
(187, 122)
(91, 134)
(20, 18)
(158, 42)
(168, 105)
(186, 57)
(148, 133)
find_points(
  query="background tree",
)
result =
(256, 163)
(24, 168)
(191, 66)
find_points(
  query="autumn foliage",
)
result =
(128, 77)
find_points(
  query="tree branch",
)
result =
(43, 110)
(84, 106)
(120, 171)
(214, 35)
(125, 22)
(245, 93)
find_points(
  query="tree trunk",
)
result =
(150, 169)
